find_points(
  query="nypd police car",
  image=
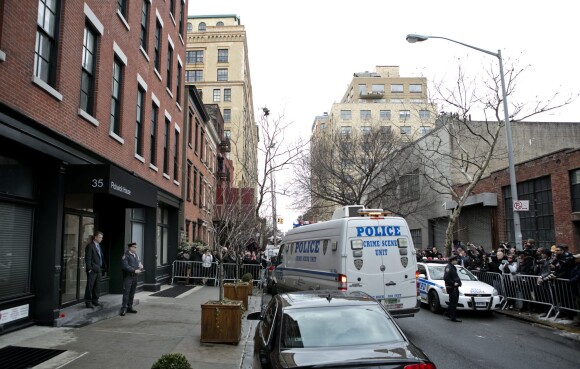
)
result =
(473, 294)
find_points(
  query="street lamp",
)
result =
(274, 220)
(412, 38)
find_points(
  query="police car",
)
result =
(473, 294)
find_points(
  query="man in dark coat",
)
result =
(452, 284)
(94, 266)
(131, 266)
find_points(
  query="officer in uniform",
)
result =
(132, 267)
(452, 284)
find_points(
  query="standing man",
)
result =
(131, 266)
(94, 265)
(452, 284)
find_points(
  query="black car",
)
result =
(331, 329)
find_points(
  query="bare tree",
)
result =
(460, 150)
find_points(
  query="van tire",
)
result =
(434, 304)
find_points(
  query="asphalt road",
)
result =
(495, 341)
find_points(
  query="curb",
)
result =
(534, 319)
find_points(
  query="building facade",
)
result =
(217, 63)
(91, 128)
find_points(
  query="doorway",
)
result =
(78, 231)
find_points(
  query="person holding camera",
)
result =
(452, 284)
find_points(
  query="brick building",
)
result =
(91, 124)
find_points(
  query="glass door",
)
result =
(78, 231)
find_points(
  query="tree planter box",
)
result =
(237, 291)
(221, 322)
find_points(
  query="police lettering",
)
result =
(307, 247)
(378, 231)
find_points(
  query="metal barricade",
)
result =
(564, 297)
(193, 271)
(493, 279)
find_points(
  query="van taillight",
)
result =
(342, 282)
(417, 274)
(421, 366)
(417, 282)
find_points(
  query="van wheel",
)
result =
(434, 304)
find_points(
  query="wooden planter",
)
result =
(237, 291)
(221, 322)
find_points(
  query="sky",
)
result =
(303, 53)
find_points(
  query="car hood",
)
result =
(470, 287)
(397, 355)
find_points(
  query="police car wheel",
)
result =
(434, 304)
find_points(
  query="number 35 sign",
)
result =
(521, 205)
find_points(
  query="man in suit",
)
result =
(94, 265)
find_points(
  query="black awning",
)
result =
(112, 180)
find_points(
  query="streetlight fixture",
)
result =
(412, 38)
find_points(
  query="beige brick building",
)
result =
(217, 63)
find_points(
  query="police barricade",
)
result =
(564, 297)
(234, 272)
(193, 271)
(493, 279)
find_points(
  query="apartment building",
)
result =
(92, 109)
(217, 63)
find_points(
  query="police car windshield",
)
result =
(437, 272)
(337, 326)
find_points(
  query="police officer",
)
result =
(452, 284)
(132, 267)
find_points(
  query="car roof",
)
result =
(324, 298)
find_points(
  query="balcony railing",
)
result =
(226, 145)
(372, 95)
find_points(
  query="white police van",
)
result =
(357, 250)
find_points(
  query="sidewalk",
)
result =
(104, 339)
(571, 328)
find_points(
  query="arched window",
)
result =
(201, 26)
(189, 27)
(219, 24)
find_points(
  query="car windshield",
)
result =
(337, 326)
(437, 272)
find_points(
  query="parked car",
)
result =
(473, 294)
(330, 329)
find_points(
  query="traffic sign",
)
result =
(522, 205)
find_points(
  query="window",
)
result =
(190, 129)
(188, 183)
(385, 131)
(396, 88)
(345, 114)
(193, 76)
(417, 239)
(222, 55)
(166, 146)
(172, 8)
(385, 115)
(378, 89)
(423, 130)
(424, 114)
(222, 74)
(176, 156)
(217, 94)
(219, 24)
(180, 20)
(139, 121)
(201, 26)
(346, 130)
(46, 37)
(194, 187)
(194, 56)
(362, 89)
(122, 8)
(115, 120)
(196, 136)
(405, 130)
(227, 115)
(189, 27)
(365, 115)
(162, 241)
(144, 24)
(88, 70)
(178, 83)
(415, 88)
(169, 65)
(409, 189)
(404, 114)
(201, 190)
(157, 57)
(365, 130)
(227, 94)
(575, 189)
(153, 143)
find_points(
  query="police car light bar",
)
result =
(373, 213)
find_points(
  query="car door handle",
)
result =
(391, 283)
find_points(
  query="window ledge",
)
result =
(166, 176)
(153, 167)
(45, 86)
(158, 75)
(140, 158)
(123, 20)
(117, 137)
(2, 56)
(89, 118)
(169, 92)
(172, 19)
(178, 106)
(175, 182)
(144, 53)
(181, 39)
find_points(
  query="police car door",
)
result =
(373, 264)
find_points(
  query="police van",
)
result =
(357, 250)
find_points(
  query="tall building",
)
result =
(91, 129)
(217, 63)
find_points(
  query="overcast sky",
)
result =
(303, 53)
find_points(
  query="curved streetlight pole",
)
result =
(412, 38)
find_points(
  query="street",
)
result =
(496, 341)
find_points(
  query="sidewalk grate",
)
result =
(173, 291)
(16, 357)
